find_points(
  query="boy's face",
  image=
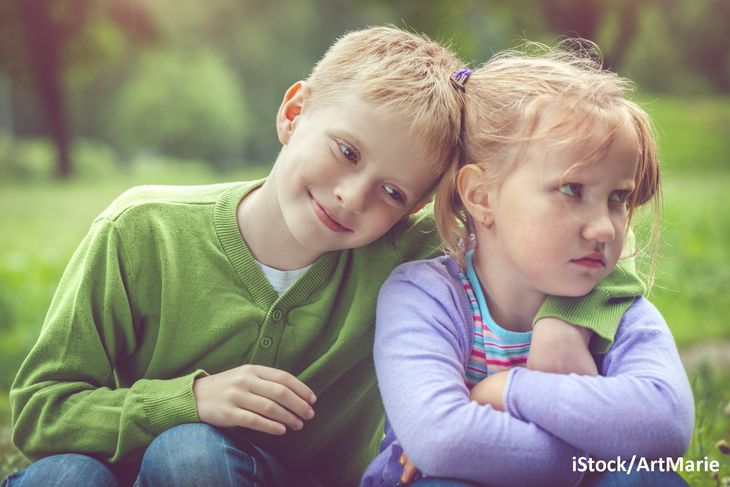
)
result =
(347, 172)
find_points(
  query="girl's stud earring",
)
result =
(484, 223)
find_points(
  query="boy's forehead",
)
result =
(378, 128)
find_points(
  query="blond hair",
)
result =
(504, 101)
(402, 72)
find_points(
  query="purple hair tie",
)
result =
(460, 78)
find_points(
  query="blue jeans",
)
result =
(616, 479)
(193, 454)
(636, 479)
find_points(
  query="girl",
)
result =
(555, 161)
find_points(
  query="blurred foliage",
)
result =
(703, 38)
(41, 39)
(712, 424)
(204, 79)
(186, 104)
(172, 91)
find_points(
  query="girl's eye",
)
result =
(394, 194)
(619, 196)
(572, 189)
(349, 153)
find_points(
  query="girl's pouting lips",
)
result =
(594, 260)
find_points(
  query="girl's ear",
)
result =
(290, 109)
(471, 182)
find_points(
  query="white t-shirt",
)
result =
(282, 280)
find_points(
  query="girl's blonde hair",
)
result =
(508, 97)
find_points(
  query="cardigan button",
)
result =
(266, 342)
(277, 314)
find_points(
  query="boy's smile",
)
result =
(327, 217)
(347, 172)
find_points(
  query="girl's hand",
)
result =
(254, 397)
(561, 348)
(409, 469)
(491, 390)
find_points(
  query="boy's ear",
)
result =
(471, 183)
(290, 109)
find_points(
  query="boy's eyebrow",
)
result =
(353, 139)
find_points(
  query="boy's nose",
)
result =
(352, 196)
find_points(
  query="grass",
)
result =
(712, 424)
(692, 273)
(42, 223)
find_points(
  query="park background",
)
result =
(99, 96)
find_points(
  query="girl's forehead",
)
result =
(574, 147)
(581, 130)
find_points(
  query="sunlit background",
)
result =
(98, 96)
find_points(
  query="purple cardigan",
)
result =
(640, 404)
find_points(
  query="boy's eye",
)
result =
(620, 196)
(394, 194)
(572, 189)
(349, 153)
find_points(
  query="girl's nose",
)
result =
(600, 227)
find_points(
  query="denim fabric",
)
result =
(64, 470)
(636, 479)
(616, 479)
(193, 454)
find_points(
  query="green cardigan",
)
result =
(163, 290)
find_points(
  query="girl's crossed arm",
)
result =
(421, 345)
(641, 404)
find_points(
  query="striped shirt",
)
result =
(493, 348)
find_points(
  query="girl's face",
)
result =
(556, 234)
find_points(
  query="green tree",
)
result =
(40, 39)
(185, 104)
(700, 31)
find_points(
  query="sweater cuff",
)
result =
(603, 319)
(507, 399)
(172, 403)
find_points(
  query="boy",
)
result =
(139, 364)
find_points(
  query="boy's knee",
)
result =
(196, 435)
(68, 469)
(187, 446)
(191, 454)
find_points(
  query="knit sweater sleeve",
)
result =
(65, 397)
(421, 343)
(601, 309)
(640, 404)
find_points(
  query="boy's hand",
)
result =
(491, 390)
(254, 397)
(561, 348)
